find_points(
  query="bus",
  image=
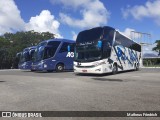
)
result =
(52, 55)
(104, 49)
(26, 58)
(16, 60)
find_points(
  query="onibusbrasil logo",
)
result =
(21, 114)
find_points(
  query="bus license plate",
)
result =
(84, 70)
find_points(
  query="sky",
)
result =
(66, 18)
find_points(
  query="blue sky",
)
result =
(67, 18)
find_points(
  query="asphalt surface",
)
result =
(40, 91)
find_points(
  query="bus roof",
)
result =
(120, 33)
(103, 27)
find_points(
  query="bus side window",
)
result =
(64, 47)
(72, 47)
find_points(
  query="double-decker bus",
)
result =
(53, 55)
(26, 58)
(103, 50)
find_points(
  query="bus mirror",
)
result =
(69, 48)
(99, 44)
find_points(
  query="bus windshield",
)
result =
(87, 53)
(38, 54)
(94, 44)
(45, 51)
(32, 54)
(90, 35)
(25, 56)
(86, 47)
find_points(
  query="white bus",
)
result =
(104, 49)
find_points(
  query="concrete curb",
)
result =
(9, 69)
(150, 67)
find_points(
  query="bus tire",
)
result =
(59, 67)
(32, 70)
(115, 69)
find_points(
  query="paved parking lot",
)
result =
(40, 91)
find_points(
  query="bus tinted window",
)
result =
(89, 35)
(64, 47)
(72, 46)
(51, 49)
(54, 44)
(49, 52)
(126, 42)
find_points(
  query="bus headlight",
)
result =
(45, 66)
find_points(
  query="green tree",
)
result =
(157, 48)
(10, 44)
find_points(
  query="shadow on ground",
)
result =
(2, 81)
(102, 75)
(106, 79)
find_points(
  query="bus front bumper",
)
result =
(97, 67)
(41, 66)
(37, 67)
(95, 70)
(25, 66)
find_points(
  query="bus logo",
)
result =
(70, 54)
(6, 114)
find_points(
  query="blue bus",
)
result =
(26, 58)
(53, 55)
(17, 60)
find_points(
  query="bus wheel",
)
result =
(59, 67)
(115, 69)
(32, 70)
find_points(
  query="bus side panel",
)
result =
(66, 58)
(125, 57)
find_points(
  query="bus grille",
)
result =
(85, 66)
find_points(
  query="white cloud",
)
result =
(11, 21)
(131, 33)
(10, 18)
(137, 36)
(93, 13)
(74, 35)
(147, 48)
(128, 33)
(71, 3)
(44, 22)
(149, 10)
